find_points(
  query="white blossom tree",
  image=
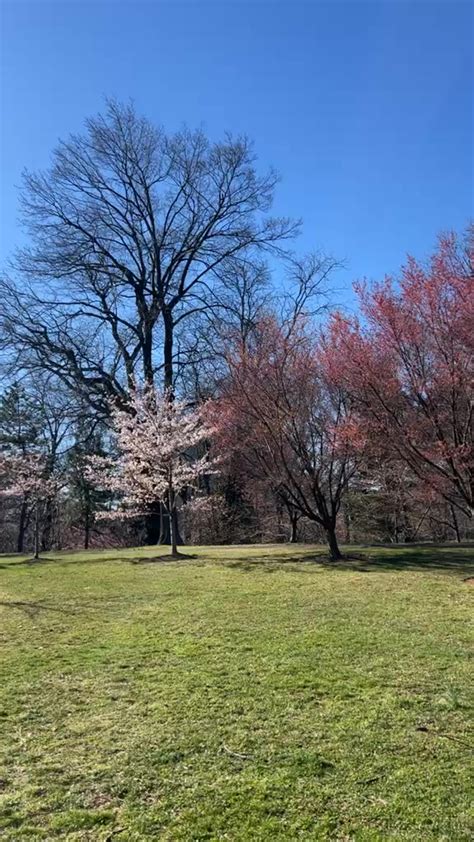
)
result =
(158, 441)
(27, 475)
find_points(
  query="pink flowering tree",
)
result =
(162, 453)
(27, 475)
(289, 422)
(409, 368)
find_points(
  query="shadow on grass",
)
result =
(158, 559)
(27, 562)
(39, 562)
(416, 558)
(420, 557)
(370, 559)
(32, 609)
(61, 561)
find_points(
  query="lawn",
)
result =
(248, 693)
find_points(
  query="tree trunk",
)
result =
(37, 531)
(294, 527)
(348, 521)
(455, 524)
(169, 530)
(395, 529)
(87, 529)
(164, 536)
(168, 350)
(174, 531)
(47, 525)
(173, 521)
(334, 550)
(20, 544)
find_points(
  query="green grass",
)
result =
(250, 693)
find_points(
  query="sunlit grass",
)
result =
(249, 693)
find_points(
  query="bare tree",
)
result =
(240, 301)
(245, 296)
(132, 233)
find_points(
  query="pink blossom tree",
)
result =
(289, 422)
(159, 441)
(27, 475)
(409, 368)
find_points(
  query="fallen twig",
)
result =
(370, 780)
(434, 733)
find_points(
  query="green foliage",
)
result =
(250, 693)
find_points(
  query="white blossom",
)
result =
(158, 440)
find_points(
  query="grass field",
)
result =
(249, 693)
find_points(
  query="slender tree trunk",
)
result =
(87, 516)
(395, 529)
(455, 524)
(169, 530)
(148, 354)
(174, 531)
(294, 527)
(157, 529)
(58, 538)
(348, 521)
(168, 350)
(48, 525)
(164, 536)
(37, 531)
(420, 522)
(172, 520)
(20, 544)
(87, 529)
(334, 550)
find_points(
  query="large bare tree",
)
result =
(131, 233)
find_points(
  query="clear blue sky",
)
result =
(364, 107)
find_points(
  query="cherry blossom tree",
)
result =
(21, 428)
(158, 441)
(410, 368)
(289, 421)
(27, 475)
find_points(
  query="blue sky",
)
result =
(365, 108)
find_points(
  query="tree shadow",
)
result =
(32, 609)
(61, 561)
(450, 559)
(27, 562)
(419, 558)
(158, 559)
